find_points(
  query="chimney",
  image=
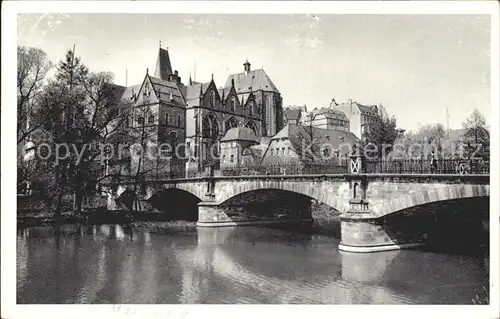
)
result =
(246, 66)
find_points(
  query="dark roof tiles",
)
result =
(163, 66)
(251, 81)
(240, 134)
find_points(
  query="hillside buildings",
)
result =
(242, 122)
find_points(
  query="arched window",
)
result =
(151, 119)
(252, 126)
(269, 101)
(140, 120)
(230, 123)
(166, 118)
(212, 98)
(215, 129)
(179, 121)
(205, 128)
(233, 103)
(251, 105)
(210, 126)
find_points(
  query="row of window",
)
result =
(231, 159)
(368, 119)
(232, 104)
(339, 122)
(151, 120)
(281, 152)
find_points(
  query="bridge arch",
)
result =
(176, 203)
(333, 193)
(439, 193)
(197, 189)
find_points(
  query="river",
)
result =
(117, 264)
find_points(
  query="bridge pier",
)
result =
(363, 231)
(364, 234)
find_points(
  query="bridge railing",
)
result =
(427, 166)
(395, 166)
(284, 169)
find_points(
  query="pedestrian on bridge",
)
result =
(433, 163)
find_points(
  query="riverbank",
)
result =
(321, 213)
(163, 226)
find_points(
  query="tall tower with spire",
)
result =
(163, 67)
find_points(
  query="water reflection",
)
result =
(116, 264)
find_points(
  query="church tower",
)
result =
(163, 67)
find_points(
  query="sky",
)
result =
(417, 66)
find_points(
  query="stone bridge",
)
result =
(378, 211)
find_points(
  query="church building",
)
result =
(249, 99)
(193, 118)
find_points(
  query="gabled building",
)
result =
(249, 99)
(157, 120)
(294, 114)
(297, 145)
(327, 118)
(239, 147)
(196, 116)
(360, 116)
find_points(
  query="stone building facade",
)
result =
(327, 118)
(248, 99)
(360, 116)
(192, 118)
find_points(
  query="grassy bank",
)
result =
(322, 212)
(165, 226)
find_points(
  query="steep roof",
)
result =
(163, 66)
(129, 91)
(251, 81)
(328, 113)
(292, 114)
(193, 93)
(257, 151)
(302, 108)
(165, 90)
(240, 134)
(365, 108)
(349, 108)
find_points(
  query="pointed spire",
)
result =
(223, 95)
(212, 76)
(190, 81)
(232, 82)
(163, 66)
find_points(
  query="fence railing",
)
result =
(284, 169)
(428, 166)
(406, 166)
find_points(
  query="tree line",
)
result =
(71, 111)
(472, 140)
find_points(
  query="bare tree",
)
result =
(477, 133)
(32, 69)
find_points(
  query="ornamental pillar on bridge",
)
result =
(358, 183)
